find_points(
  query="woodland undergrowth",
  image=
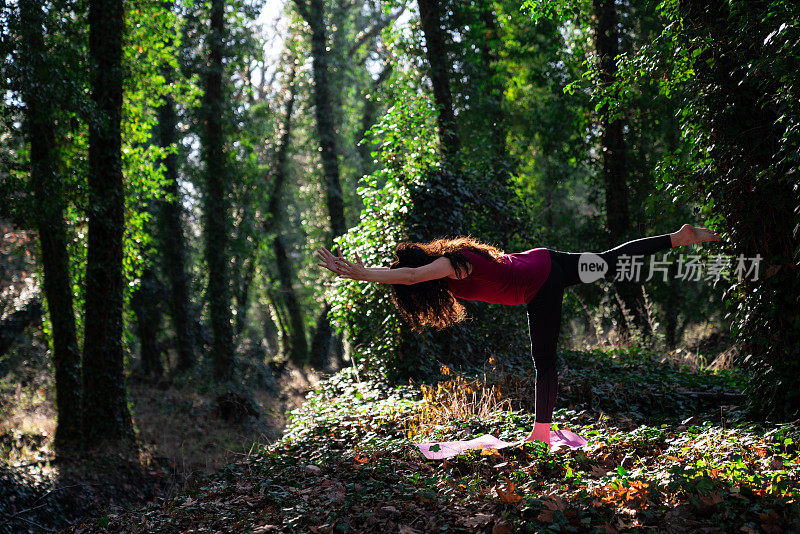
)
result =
(671, 449)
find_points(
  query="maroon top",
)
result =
(515, 280)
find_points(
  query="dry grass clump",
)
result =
(459, 399)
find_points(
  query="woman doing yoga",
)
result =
(428, 277)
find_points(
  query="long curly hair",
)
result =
(431, 303)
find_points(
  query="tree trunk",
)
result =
(613, 141)
(216, 201)
(501, 165)
(243, 296)
(52, 231)
(270, 332)
(299, 349)
(145, 304)
(297, 332)
(436, 52)
(173, 244)
(321, 342)
(613, 148)
(313, 12)
(106, 418)
(283, 328)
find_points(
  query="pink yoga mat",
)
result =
(446, 449)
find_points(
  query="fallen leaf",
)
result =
(710, 502)
(489, 452)
(476, 521)
(508, 494)
(598, 471)
(546, 516)
(777, 462)
(501, 529)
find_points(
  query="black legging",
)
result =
(544, 312)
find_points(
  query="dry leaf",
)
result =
(598, 471)
(710, 502)
(508, 495)
(545, 517)
(476, 521)
(489, 452)
(777, 462)
(501, 529)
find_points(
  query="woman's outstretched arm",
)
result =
(339, 265)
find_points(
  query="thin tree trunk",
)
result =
(216, 203)
(106, 417)
(173, 243)
(436, 53)
(299, 349)
(613, 141)
(507, 226)
(243, 296)
(282, 326)
(313, 12)
(672, 308)
(270, 331)
(145, 304)
(321, 342)
(614, 154)
(428, 196)
(52, 233)
(297, 332)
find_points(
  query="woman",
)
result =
(428, 277)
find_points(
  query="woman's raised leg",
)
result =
(572, 262)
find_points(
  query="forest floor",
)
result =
(181, 433)
(671, 449)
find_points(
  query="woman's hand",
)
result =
(353, 271)
(328, 259)
(341, 266)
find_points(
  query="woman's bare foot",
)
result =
(689, 235)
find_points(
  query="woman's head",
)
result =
(431, 303)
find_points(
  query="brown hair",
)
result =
(431, 303)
